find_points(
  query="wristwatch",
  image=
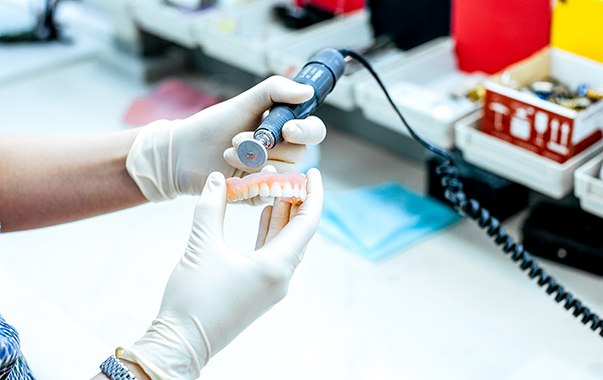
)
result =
(116, 370)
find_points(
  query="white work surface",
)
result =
(451, 307)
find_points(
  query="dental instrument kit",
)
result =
(322, 72)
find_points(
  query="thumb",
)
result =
(208, 220)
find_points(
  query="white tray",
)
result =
(517, 164)
(589, 186)
(421, 86)
(169, 22)
(243, 36)
(352, 32)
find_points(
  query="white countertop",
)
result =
(451, 307)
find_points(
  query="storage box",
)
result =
(353, 32)
(589, 186)
(546, 128)
(422, 86)
(242, 36)
(577, 27)
(520, 165)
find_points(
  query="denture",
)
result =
(289, 187)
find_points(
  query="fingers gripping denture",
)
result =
(289, 187)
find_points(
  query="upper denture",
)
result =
(291, 187)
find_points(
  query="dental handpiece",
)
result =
(321, 72)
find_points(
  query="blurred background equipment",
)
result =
(44, 29)
(491, 35)
(577, 27)
(410, 23)
(303, 13)
(171, 99)
(192, 4)
(298, 17)
(566, 234)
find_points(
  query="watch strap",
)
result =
(114, 369)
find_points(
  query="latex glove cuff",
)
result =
(165, 354)
(150, 160)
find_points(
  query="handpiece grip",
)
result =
(321, 72)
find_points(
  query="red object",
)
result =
(171, 99)
(539, 130)
(492, 34)
(334, 6)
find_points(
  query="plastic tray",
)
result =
(589, 186)
(517, 164)
(352, 32)
(422, 88)
(168, 22)
(242, 36)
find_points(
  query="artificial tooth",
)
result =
(254, 191)
(275, 190)
(264, 190)
(302, 193)
(287, 190)
(296, 191)
(245, 193)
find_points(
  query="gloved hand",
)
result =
(170, 158)
(215, 292)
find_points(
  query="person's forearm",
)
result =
(47, 181)
(133, 367)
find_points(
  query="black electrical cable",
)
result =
(453, 191)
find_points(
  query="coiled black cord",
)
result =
(453, 191)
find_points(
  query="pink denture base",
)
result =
(289, 187)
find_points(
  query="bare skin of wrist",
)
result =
(47, 181)
(133, 367)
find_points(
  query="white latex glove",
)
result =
(215, 291)
(171, 158)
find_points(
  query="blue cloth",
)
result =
(376, 222)
(12, 363)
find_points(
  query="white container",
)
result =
(422, 87)
(242, 36)
(169, 22)
(589, 186)
(518, 164)
(353, 32)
